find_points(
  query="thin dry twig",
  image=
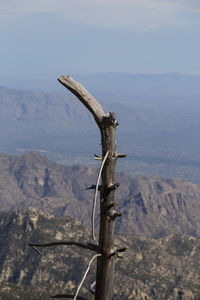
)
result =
(36, 249)
(88, 246)
(67, 296)
(96, 192)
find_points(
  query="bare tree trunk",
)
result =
(105, 265)
(106, 252)
(107, 126)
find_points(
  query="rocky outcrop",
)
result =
(155, 207)
(166, 268)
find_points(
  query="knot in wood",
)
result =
(113, 215)
(109, 120)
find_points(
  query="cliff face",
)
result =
(21, 265)
(167, 268)
(154, 207)
(151, 206)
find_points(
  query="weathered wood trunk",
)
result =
(105, 264)
(106, 253)
(107, 126)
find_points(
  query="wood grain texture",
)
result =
(85, 97)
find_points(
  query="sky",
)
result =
(42, 39)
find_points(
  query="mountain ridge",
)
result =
(151, 206)
(159, 141)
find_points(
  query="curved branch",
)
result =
(84, 276)
(85, 97)
(95, 195)
(88, 246)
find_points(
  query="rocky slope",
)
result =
(151, 206)
(167, 268)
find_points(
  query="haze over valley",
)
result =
(159, 118)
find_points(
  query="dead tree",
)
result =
(106, 252)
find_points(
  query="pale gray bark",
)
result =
(82, 94)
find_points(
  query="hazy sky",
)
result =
(45, 38)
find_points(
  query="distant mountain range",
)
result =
(159, 118)
(173, 91)
(151, 206)
(170, 91)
